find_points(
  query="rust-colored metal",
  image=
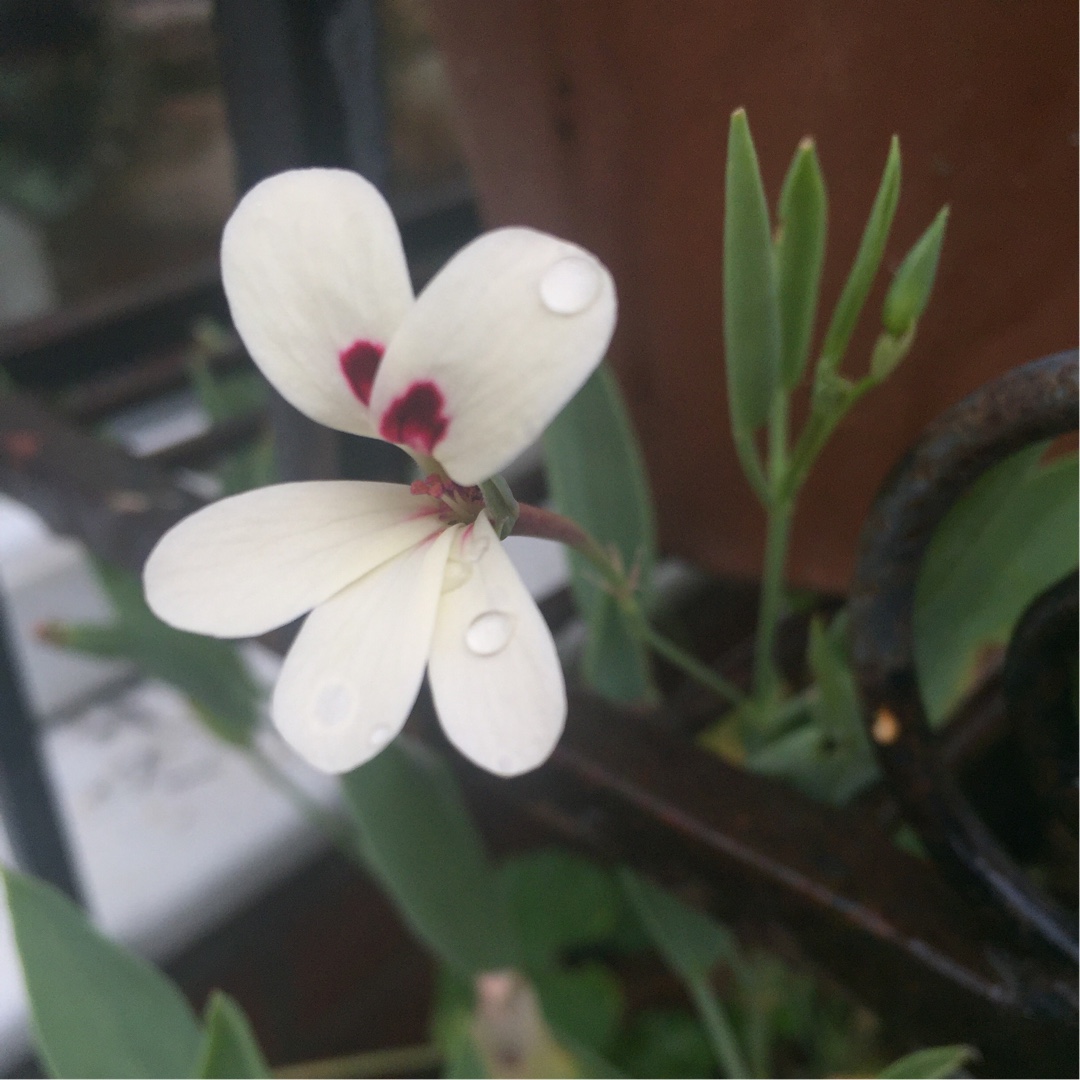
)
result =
(1037, 401)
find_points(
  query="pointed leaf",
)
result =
(929, 1064)
(420, 841)
(229, 1046)
(98, 1010)
(596, 475)
(865, 267)
(913, 281)
(751, 306)
(800, 255)
(691, 943)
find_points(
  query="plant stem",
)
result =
(399, 1061)
(698, 671)
(766, 678)
(718, 1028)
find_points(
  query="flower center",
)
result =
(416, 419)
(460, 505)
(359, 362)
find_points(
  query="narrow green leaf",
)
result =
(419, 840)
(98, 1010)
(691, 943)
(913, 281)
(752, 336)
(1012, 536)
(559, 900)
(229, 1046)
(596, 475)
(208, 671)
(930, 1064)
(865, 267)
(800, 255)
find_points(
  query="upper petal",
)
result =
(352, 675)
(317, 284)
(497, 343)
(249, 563)
(494, 672)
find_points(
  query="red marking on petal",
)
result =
(359, 362)
(416, 419)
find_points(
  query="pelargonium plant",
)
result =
(396, 578)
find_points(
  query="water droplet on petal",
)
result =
(489, 633)
(380, 735)
(333, 704)
(455, 575)
(570, 285)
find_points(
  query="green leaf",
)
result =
(208, 671)
(1012, 536)
(596, 476)
(616, 662)
(665, 1043)
(691, 943)
(98, 1010)
(913, 282)
(419, 840)
(583, 1006)
(560, 901)
(752, 335)
(929, 1064)
(229, 1046)
(800, 255)
(865, 267)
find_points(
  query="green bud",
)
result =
(911, 285)
(889, 350)
(501, 506)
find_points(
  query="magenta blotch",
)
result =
(359, 362)
(416, 418)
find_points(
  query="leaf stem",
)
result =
(710, 679)
(766, 678)
(718, 1028)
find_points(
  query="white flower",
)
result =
(399, 578)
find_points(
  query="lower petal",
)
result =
(495, 675)
(353, 673)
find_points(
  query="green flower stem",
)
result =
(548, 525)
(718, 1028)
(399, 1061)
(766, 678)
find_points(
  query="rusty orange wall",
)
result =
(606, 121)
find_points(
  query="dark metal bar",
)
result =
(28, 807)
(1037, 401)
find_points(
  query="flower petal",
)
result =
(495, 675)
(249, 563)
(353, 673)
(317, 284)
(498, 342)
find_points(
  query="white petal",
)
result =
(494, 347)
(352, 675)
(312, 266)
(247, 564)
(494, 672)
